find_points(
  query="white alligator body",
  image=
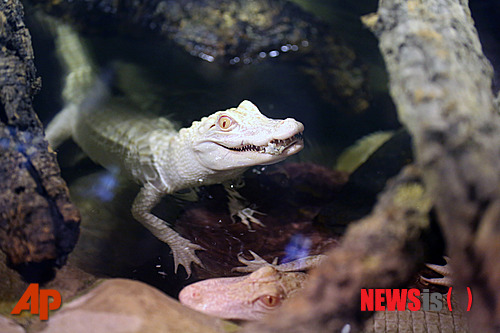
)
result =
(150, 151)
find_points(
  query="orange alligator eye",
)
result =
(225, 122)
(270, 300)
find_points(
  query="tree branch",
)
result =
(441, 84)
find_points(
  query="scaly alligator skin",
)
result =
(442, 321)
(216, 149)
(253, 296)
(150, 151)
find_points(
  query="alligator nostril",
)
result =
(291, 125)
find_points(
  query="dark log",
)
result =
(38, 223)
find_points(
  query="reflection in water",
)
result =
(104, 188)
(298, 247)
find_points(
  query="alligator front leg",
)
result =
(182, 249)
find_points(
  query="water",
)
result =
(185, 88)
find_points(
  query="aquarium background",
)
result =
(184, 88)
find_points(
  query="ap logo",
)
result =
(37, 301)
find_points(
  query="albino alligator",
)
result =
(150, 151)
(253, 296)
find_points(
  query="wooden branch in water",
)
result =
(441, 84)
(38, 223)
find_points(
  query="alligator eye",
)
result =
(225, 122)
(270, 301)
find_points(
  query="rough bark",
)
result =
(441, 84)
(38, 223)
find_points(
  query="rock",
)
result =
(120, 305)
(38, 223)
(10, 326)
(69, 281)
(11, 289)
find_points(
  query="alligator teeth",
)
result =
(288, 141)
(248, 147)
(274, 147)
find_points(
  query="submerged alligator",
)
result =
(150, 151)
(253, 296)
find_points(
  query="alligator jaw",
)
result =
(274, 147)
